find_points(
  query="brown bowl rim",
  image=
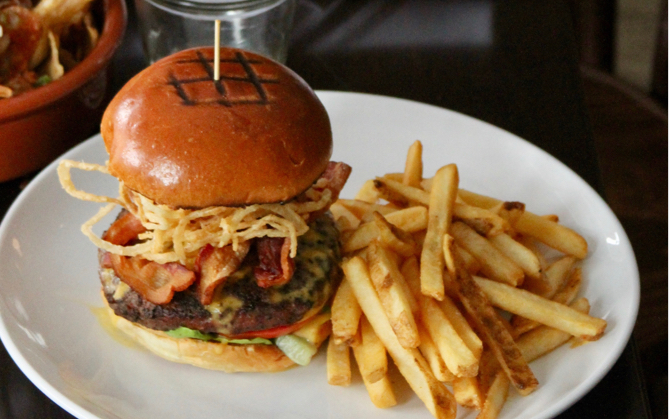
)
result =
(110, 39)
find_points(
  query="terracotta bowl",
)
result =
(39, 125)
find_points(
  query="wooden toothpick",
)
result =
(217, 50)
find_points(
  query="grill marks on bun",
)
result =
(239, 82)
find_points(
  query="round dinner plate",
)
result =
(50, 292)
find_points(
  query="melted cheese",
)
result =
(317, 256)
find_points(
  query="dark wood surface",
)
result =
(513, 64)
(630, 133)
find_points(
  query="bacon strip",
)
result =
(124, 229)
(154, 281)
(215, 265)
(336, 173)
(275, 266)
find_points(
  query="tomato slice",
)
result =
(271, 333)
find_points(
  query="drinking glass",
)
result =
(261, 26)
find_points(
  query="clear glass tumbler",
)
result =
(261, 26)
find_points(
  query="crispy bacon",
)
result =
(275, 266)
(154, 281)
(215, 265)
(124, 229)
(336, 173)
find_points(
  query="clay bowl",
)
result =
(39, 125)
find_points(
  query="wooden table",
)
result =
(511, 63)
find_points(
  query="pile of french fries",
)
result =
(459, 288)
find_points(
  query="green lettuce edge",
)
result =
(188, 333)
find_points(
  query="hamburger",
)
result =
(224, 254)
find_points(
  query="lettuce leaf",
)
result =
(185, 332)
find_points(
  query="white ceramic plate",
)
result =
(49, 288)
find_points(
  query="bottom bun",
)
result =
(210, 355)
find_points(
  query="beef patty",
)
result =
(240, 305)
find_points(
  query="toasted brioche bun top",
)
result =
(258, 135)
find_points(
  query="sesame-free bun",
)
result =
(205, 354)
(258, 135)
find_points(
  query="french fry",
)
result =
(557, 274)
(394, 238)
(544, 339)
(495, 397)
(448, 247)
(521, 255)
(344, 219)
(410, 220)
(370, 354)
(493, 263)
(368, 193)
(496, 334)
(546, 231)
(551, 217)
(317, 329)
(369, 217)
(471, 264)
(393, 294)
(542, 310)
(478, 200)
(467, 393)
(413, 169)
(533, 245)
(419, 237)
(553, 234)
(431, 353)
(536, 285)
(411, 364)
(361, 252)
(459, 358)
(381, 392)
(363, 210)
(483, 221)
(338, 364)
(426, 184)
(488, 368)
(461, 326)
(345, 315)
(509, 210)
(565, 296)
(394, 176)
(442, 199)
(389, 194)
(402, 191)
